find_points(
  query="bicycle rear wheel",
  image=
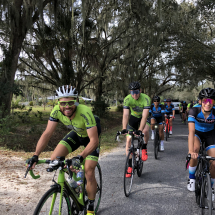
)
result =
(207, 195)
(156, 144)
(49, 203)
(140, 162)
(128, 180)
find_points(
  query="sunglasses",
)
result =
(156, 101)
(135, 92)
(205, 101)
(67, 103)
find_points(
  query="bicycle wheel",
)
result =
(166, 131)
(198, 184)
(156, 144)
(140, 163)
(207, 195)
(128, 180)
(98, 176)
(49, 203)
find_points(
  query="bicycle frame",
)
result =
(79, 198)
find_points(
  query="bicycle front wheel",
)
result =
(140, 162)
(167, 132)
(207, 195)
(49, 203)
(156, 145)
(128, 175)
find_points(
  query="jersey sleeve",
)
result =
(126, 103)
(54, 114)
(193, 112)
(173, 108)
(147, 102)
(88, 118)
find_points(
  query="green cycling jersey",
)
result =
(83, 120)
(137, 106)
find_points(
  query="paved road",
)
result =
(162, 187)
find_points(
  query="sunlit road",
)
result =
(162, 187)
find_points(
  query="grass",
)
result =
(22, 141)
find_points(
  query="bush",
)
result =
(100, 108)
(31, 103)
(119, 108)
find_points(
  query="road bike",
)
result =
(203, 190)
(167, 128)
(61, 198)
(134, 155)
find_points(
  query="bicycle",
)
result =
(167, 127)
(157, 141)
(61, 198)
(203, 190)
(135, 153)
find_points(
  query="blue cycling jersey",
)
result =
(157, 112)
(169, 109)
(201, 124)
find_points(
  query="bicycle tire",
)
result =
(198, 184)
(207, 195)
(156, 144)
(140, 162)
(43, 207)
(166, 132)
(128, 180)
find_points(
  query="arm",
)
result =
(125, 118)
(173, 113)
(144, 119)
(45, 137)
(191, 127)
(93, 144)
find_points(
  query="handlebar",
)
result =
(129, 132)
(53, 165)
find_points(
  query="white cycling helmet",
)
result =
(66, 91)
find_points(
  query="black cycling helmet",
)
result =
(134, 85)
(156, 98)
(168, 100)
(207, 93)
(181, 101)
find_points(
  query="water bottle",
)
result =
(72, 183)
(80, 174)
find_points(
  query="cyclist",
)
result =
(198, 103)
(157, 111)
(190, 105)
(201, 120)
(180, 109)
(139, 104)
(85, 130)
(184, 111)
(169, 111)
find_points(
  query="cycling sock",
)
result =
(144, 146)
(170, 128)
(212, 181)
(153, 131)
(192, 172)
(130, 162)
(161, 142)
(91, 205)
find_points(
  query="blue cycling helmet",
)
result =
(164, 100)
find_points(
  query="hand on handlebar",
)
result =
(124, 131)
(74, 164)
(32, 162)
(138, 133)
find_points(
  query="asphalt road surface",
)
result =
(162, 187)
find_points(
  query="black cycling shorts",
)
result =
(158, 119)
(208, 136)
(134, 123)
(73, 141)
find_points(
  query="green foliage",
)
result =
(39, 115)
(23, 116)
(52, 102)
(119, 108)
(100, 108)
(31, 103)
